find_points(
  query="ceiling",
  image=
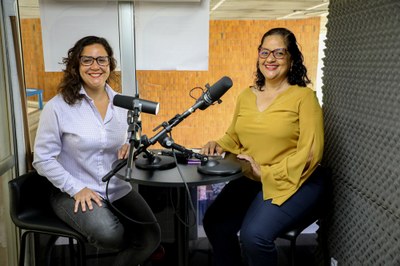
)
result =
(234, 9)
(266, 9)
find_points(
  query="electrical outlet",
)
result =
(334, 262)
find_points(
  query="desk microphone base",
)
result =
(159, 162)
(220, 167)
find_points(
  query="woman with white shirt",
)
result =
(81, 133)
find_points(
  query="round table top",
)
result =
(180, 174)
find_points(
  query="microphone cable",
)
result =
(114, 207)
(191, 209)
(193, 89)
(202, 93)
(123, 214)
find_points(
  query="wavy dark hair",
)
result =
(71, 82)
(297, 74)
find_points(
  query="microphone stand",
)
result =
(168, 142)
(207, 166)
(134, 142)
(145, 142)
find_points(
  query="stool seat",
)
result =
(292, 234)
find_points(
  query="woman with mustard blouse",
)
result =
(277, 128)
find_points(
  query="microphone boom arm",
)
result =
(148, 142)
(177, 119)
(168, 142)
(213, 94)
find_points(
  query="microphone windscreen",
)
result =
(215, 92)
(220, 87)
(123, 101)
(128, 102)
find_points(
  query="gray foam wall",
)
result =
(361, 96)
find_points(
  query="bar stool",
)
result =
(30, 210)
(292, 235)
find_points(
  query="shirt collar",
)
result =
(107, 88)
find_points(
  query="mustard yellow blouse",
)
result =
(280, 139)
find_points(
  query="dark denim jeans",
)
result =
(240, 208)
(105, 228)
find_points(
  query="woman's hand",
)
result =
(85, 197)
(254, 165)
(123, 151)
(211, 148)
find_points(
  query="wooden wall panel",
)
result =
(232, 52)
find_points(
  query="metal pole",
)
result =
(126, 15)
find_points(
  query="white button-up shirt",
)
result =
(75, 147)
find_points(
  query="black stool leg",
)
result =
(22, 249)
(81, 253)
(49, 249)
(293, 252)
(71, 250)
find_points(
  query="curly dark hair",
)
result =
(297, 74)
(71, 82)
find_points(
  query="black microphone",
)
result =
(215, 92)
(129, 102)
(206, 99)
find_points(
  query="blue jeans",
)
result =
(240, 207)
(107, 229)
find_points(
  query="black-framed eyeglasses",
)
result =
(89, 60)
(279, 53)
